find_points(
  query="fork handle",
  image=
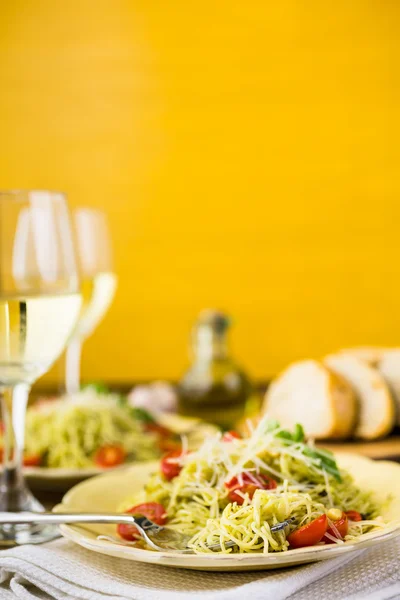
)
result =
(49, 518)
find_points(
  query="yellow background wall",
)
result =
(247, 154)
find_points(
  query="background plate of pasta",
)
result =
(73, 437)
(280, 500)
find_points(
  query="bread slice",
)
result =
(389, 366)
(376, 405)
(370, 354)
(309, 393)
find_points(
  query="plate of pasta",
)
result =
(73, 437)
(267, 500)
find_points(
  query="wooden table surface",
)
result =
(385, 449)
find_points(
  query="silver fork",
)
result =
(166, 539)
(160, 538)
(157, 537)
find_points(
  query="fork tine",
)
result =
(282, 525)
(228, 544)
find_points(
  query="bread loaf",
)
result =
(376, 416)
(389, 366)
(308, 392)
(370, 354)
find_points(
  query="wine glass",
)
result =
(94, 251)
(39, 306)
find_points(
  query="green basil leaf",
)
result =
(298, 434)
(323, 459)
(284, 435)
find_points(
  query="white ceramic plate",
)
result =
(105, 493)
(43, 478)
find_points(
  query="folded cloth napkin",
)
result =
(61, 570)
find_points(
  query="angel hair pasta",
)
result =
(269, 492)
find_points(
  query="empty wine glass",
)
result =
(39, 306)
(94, 251)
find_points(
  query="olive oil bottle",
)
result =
(214, 388)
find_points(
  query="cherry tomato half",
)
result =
(341, 528)
(353, 515)
(167, 440)
(231, 435)
(109, 456)
(152, 510)
(310, 534)
(32, 460)
(250, 484)
(159, 429)
(169, 444)
(170, 464)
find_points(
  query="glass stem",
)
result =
(73, 366)
(13, 492)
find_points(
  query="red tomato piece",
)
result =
(169, 444)
(248, 484)
(310, 534)
(170, 464)
(109, 456)
(159, 429)
(231, 435)
(152, 510)
(341, 527)
(353, 515)
(32, 460)
(167, 440)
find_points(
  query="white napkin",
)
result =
(62, 571)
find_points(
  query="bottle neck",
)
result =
(209, 344)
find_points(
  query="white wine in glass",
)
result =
(39, 306)
(98, 285)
